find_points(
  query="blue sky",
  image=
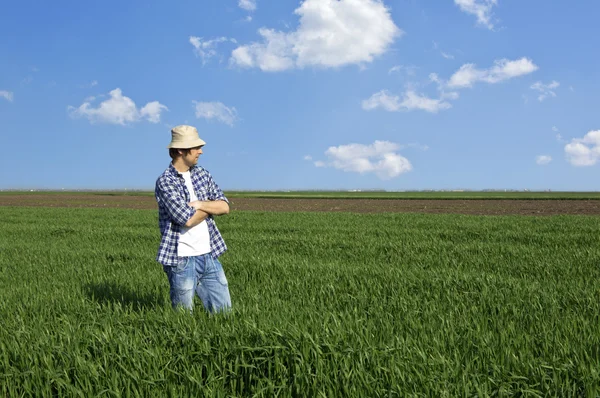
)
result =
(313, 94)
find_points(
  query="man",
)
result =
(188, 198)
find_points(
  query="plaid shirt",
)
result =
(173, 197)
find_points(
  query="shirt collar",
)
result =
(174, 171)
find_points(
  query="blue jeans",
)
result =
(204, 275)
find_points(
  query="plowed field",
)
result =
(456, 206)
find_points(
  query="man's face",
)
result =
(191, 158)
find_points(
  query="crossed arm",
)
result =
(204, 208)
(214, 207)
(192, 213)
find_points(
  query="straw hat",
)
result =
(184, 137)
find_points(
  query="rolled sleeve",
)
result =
(175, 205)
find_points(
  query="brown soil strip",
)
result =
(478, 207)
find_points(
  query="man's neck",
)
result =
(180, 166)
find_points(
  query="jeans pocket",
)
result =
(181, 264)
(222, 278)
(218, 269)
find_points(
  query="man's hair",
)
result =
(174, 152)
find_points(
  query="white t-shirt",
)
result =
(193, 241)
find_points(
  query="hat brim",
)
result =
(186, 144)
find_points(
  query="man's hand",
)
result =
(213, 207)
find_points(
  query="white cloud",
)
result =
(274, 55)
(152, 111)
(408, 70)
(409, 102)
(379, 158)
(451, 95)
(444, 54)
(559, 137)
(543, 160)
(8, 95)
(435, 78)
(248, 5)
(482, 9)
(331, 33)
(546, 90)
(118, 109)
(466, 76)
(216, 110)
(413, 100)
(584, 151)
(503, 69)
(206, 49)
(308, 157)
(91, 84)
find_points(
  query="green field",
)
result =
(417, 195)
(353, 195)
(325, 304)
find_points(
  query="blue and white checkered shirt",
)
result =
(173, 197)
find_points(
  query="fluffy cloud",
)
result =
(274, 55)
(206, 49)
(91, 84)
(379, 158)
(8, 95)
(451, 95)
(331, 33)
(543, 160)
(466, 76)
(546, 90)
(152, 110)
(217, 111)
(118, 110)
(482, 9)
(584, 151)
(559, 137)
(248, 5)
(409, 102)
(503, 69)
(408, 70)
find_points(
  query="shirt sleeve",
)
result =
(214, 192)
(176, 206)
